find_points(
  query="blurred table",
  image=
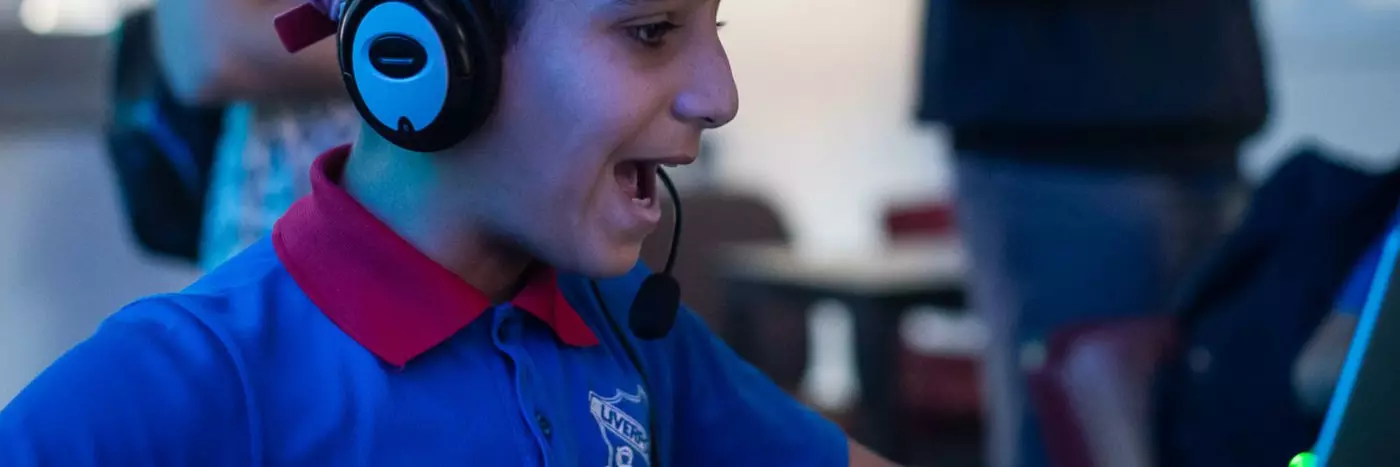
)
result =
(878, 287)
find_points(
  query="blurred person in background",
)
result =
(283, 110)
(1095, 154)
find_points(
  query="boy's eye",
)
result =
(653, 34)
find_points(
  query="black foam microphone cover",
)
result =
(654, 309)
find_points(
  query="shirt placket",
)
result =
(509, 337)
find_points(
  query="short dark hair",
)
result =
(509, 14)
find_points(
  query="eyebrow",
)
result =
(626, 4)
(630, 3)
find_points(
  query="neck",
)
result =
(403, 190)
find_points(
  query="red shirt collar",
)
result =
(383, 292)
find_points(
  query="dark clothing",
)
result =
(1179, 83)
(1130, 110)
(1227, 400)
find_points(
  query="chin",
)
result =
(607, 263)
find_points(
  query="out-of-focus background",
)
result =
(820, 168)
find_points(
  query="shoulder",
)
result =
(204, 306)
(253, 305)
(197, 349)
(153, 386)
(245, 287)
(212, 317)
(249, 310)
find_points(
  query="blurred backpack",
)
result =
(162, 149)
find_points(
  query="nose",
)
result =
(709, 99)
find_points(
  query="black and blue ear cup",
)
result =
(424, 74)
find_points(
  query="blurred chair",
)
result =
(940, 392)
(926, 219)
(714, 218)
(1094, 391)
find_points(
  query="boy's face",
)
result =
(595, 95)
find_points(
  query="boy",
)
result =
(435, 308)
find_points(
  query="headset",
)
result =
(425, 74)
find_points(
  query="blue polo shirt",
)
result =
(336, 343)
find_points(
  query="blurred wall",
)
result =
(827, 91)
(827, 88)
(50, 80)
(825, 127)
(1336, 78)
(66, 259)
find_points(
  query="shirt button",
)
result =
(543, 422)
(506, 331)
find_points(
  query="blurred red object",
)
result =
(1093, 392)
(939, 394)
(943, 387)
(934, 387)
(920, 220)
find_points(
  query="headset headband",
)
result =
(308, 23)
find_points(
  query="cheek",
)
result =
(565, 117)
(576, 112)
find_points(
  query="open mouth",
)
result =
(637, 180)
